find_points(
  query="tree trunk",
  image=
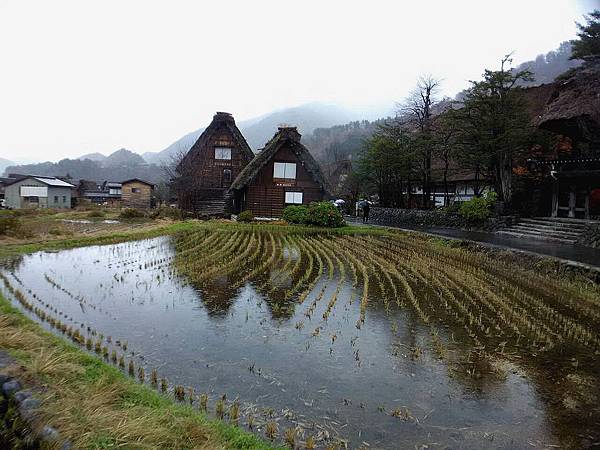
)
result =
(506, 179)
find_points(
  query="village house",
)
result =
(571, 110)
(32, 191)
(108, 193)
(136, 193)
(205, 173)
(283, 173)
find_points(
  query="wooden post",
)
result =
(572, 200)
(586, 204)
(555, 198)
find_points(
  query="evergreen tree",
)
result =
(493, 127)
(588, 44)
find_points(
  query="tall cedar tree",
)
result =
(588, 44)
(493, 127)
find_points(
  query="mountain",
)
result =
(123, 157)
(4, 163)
(99, 157)
(118, 166)
(180, 145)
(259, 130)
(547, 67)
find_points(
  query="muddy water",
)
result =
(382, 385)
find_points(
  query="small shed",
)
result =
(283, 173)
(31, 191)
(136, 193)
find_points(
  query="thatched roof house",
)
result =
(282, 173)
(572, 110)
(573, 106)
(206, 172)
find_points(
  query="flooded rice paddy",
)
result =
(357, 341)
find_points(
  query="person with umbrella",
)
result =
(366, 208)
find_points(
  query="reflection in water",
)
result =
(405, 345)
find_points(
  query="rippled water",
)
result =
(388, 384)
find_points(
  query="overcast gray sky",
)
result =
(84, 76)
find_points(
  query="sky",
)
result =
(79, 76)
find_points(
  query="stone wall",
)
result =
(433, 218)
(591, 236)
(20, 424)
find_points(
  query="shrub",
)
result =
(131, 213)
(325, 214)
(165, 212)
(96, 213)
(478, 208)
(10, 225)
(295, 214)
(245, 216)
(322, 214)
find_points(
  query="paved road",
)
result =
(574, 254)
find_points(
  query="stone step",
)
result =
(551, 231)
(553, 225)
(537, 236)
(572, 220)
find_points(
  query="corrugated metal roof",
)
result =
(54, 182)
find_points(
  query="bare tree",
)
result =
(417, 109)
(179, 171)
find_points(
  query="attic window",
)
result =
(222, 153)
(285, 171)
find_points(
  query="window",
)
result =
(136, 190)
(284, 170)
(222, 153)
(293, 198)
(64, 199)
(226, 175)
(56, 199)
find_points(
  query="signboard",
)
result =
(34, 191)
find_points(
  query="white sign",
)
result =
(34, 191)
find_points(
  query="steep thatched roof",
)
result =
(285, 136)
(573, 108)
(220, 119)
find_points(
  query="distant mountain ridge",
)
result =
(93, 157)
(259, 130)
(4, 163)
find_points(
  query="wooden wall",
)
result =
(139, 200)
(265, 197)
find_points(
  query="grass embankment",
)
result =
(149, 231)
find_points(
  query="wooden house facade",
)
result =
(283, 173)
(136, 193)
(206, 172)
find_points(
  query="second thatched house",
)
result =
(283, 173)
